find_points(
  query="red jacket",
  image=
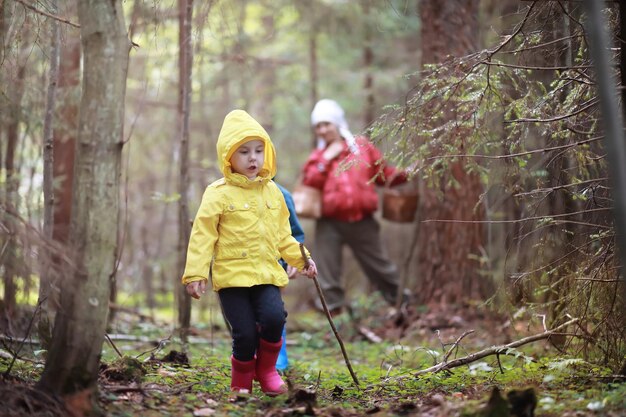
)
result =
(348, 181)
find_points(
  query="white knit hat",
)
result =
(327, 110)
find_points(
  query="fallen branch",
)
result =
(369, 335)
(142, 316)
(143, 389)
(11, 339)
(494, 350)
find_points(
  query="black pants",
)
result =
(253, 313)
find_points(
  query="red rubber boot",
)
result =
(267, 354)
(241, 375)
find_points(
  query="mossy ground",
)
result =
(319, 379)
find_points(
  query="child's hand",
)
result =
(291, 271)
(311, 270)
(196, 288)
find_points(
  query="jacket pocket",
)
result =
(231, 252)
(238, 221)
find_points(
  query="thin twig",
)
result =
(555, 118)
(113, 346)
(518, 154)
(517, 30)
(597, 280)
(51, 16)
(526, 219)
(499, 363)
(21, 345)
(319, 380)
(330, 319)
(559, 187)
(160, 346)
(536, 68)
(455, 345)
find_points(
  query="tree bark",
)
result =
(47, 273)
(184, 98)
(308, 13)
(265, 71)
(368, 64)
(446, 272)
(63, 144)
(11, 254)
(621, 41)
(73, 359)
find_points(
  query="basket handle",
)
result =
(396, 173)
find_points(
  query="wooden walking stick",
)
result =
(330, 319)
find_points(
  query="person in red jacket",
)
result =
(346, 169)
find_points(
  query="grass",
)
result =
(563, 385)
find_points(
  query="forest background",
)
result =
(494, 100)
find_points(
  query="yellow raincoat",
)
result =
(242, 225)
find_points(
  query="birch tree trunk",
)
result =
(74, 356)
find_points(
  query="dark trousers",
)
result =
(363, 238)
(253, 313)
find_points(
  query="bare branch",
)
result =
(558, 187)
(494, 350)
(528, 67)
(525, 219)
(51, 16)
(515, 155)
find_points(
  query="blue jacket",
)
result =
(296, 228)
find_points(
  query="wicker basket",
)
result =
(399, 205)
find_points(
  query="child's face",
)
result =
(248, 159)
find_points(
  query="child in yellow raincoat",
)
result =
(241, 230)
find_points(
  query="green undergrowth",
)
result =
(386, 371)
(386, 379)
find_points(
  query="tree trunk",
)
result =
(446, 271)
(185, 8)
(63, 145)
(73, 359)
(46, 276)
(621, 42)
(262, 107)
(309, 13)
(10, 256)
(368, 64)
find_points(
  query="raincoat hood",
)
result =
(239, 127)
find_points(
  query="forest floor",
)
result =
(146, 373)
